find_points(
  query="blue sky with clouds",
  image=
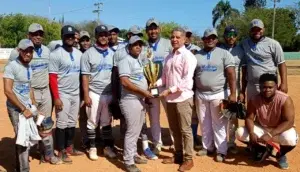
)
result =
(196, 14)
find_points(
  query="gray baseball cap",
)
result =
(135, 30)
(24, 44)
(256, 23)
(34, 27)
(186, 29)
(152, 21)
(84, 33)
(135, 39)
(113, 28)
(210, 31)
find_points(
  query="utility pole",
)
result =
(274, 16)
(97, 5)
(49, 10)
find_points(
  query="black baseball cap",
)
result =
(68, 30)
(230, 28)
(101, 29)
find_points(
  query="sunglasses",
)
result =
(230, 34)
(37, 33)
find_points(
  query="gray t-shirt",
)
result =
(239, 56)
(39, 65)
(67, 67)
(210, 71)
(262, 57)
(134, 69)
(98, 64)
(123, 52)
(159, 51)
(21, 76)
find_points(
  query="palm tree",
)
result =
(222, 12)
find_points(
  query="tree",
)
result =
(14, 27)
(285, 28)
(255, 3)
(222, 12)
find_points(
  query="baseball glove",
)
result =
(115, 110)
(233, 109)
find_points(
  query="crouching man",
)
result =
(270, 118)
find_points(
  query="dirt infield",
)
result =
(233, 163)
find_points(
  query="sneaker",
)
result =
(71, 151)
(64, 157)
(157, 149)
(140, 160)
(282, 162)
(149, 154)
(53, 160)
(108, 152)
(220, 157)
(132, 168)
(202, 152)
(93, 154)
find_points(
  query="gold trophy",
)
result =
(151, 71)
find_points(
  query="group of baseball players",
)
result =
(81, 80)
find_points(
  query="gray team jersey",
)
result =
(193, 47)
(159, 51)
(98, 64)
(39, 65)
(67, 67)
(133, 68)
(262, 57)
(210, 71)
(239, 56)
(22, 81)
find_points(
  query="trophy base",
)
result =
(154, 91)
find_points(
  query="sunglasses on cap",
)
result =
(230, 34)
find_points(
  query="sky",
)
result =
(195, 14)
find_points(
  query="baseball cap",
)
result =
(54, 44)
(24, 44)
(186, 29)
(100, 29)
(34, 27)
(135, 30)
(210, 31)
(257, 23)
(111, 28)
(152, 21)
(84, 33)
(135, 39)
(230, 28)
(68, 30)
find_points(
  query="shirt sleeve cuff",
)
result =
(159, 83)
(173, 89)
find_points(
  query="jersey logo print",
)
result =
(137, 77)
(208, 68)
(23, 88)
(101, 67)
(39, 66)
(158, 59)
(73, 69)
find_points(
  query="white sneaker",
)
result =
(157, 149)
(93, 154)
(108, 152)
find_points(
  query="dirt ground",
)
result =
(233, 163)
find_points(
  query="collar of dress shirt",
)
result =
(179, 50)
